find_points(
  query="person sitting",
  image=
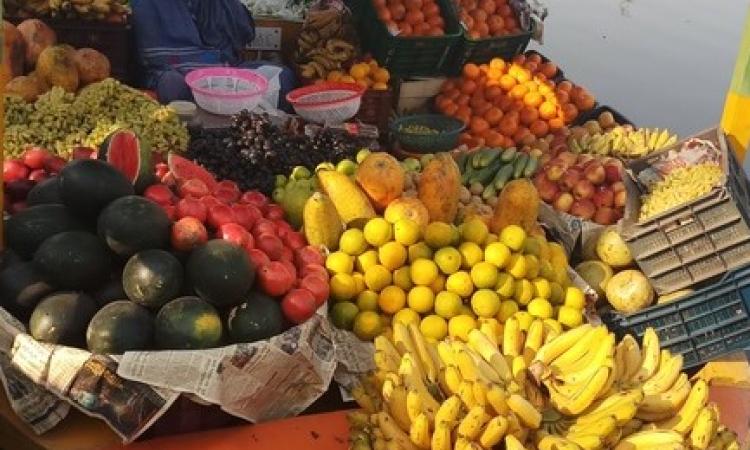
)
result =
(174, 37)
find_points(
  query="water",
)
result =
(661, 63)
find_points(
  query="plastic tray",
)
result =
(704, 325)
(593, 114)
(410, 56)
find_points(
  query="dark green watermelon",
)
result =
(89, 185)
(21, 288)
(73, 260)
(187, 323)
(127, 152)
(47, 191)
(152, 277)
(131, 224)
(220, 272)
(62, 318)
(256, 319)
(25, 231)
(119, 327)
(109, 292)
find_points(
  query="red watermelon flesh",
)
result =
(127, 153)
(183, 169)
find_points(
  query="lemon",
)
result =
(367, 325)
(570, 317)
(460, 326)
(406, 232)
(546, 270)
(471, 254)
(466, 311)
(343, 314)
(506, 285)
(352, 242)
(434, 327)
(420, 250)
(343, 287)
(423, 272)
(474, 230)
(484, 275)
(378, 231)
(406, 316)
(523, 291)
(532, 266)
(377, 277)
(447, 304)
(460, 283)
(491, 238)
(497, 253)
(339, 262)
(542, 288)
(485, 303)
(439, 234)
(367, 301)
(421, 299)
(556, 293)
(359, 282)
(438, 285)
(513, 236)
(392, 299)
(392, 255)
(506, 311)
(540, 308)
(402, 278)
(448, 259)
(524, 320)
(366, 260)
(517, 266)
(574, 298)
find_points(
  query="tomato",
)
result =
(255, 198)
(264, 226)
(308, 255)
(282, 227)
(34, 157)
(275, 212)
(234, 233)
(219, 215)
(290, 268)
(194, 187)
(14, 170)
(271, 246)
(294, 240)
(188, 233)
(298, 305)
(258, 258)
(246, 215)
(38, 175)
(160, 194)
(226, 196)
(209, 201)
(54, 164)
(287, 254)
(314, 270)
(274, 278)
(318, 287)
(191, 207)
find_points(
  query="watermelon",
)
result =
(183, 169)
(21, 288)
(119, 327)
(73, 260)
(62, 318)
(25, 231)
(132, 223)
(187, 323)
(151, 278)
(88, 185)
(128, 153)
(220, 272)
(256, 319)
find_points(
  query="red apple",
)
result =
(290, 267)
(314, 269)
(604, 197)
(188, 233)
(14, 169)
(318, 286)
(160, 194)
(34, 157)
(275, 212)
(219, 215)
(298, 305)
(308, 255)
(563, 202)
(264, 226)
(83, 153)
(161, 170)
(570, 178)
(613, 173)
(569, 158)
(191, 207)
(255, 198)
(54, 164)
(605, 216)
(258, 258)
(554, 171)
(548, 190)
(209, 201)
(618, 186)
(595, 173)
(294, 240)
(228, 190)
(583, 189)
(583, 208)
(271, 246)
(621, 198)
(287, 254)
(234, 233)
(282, 227)
(274, 278)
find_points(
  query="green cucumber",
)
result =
(508, 154)
(486, 174)
(489, 191)
(502, 177)
(476, 159)
(531, 167)
(489, 155)
(461, 161)
(519, 165)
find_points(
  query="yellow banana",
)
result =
(462, 444)
(665, 377)
(413, 405)
(650, 355)
(586, 345)
(466, 394)
(448, 411)
(425, 357)
(498, 400)
(607, 389)
(364, 400)
(724, 440)
(395, 399)
(471, 425)
(561, 344)
(534, 338)
(552, 442)
(669, 401)
(412, 381)
(584, 397)
(453, 379)
(512, 443)
(579, 372)
(441, 437)
(631, 355)
(519, 370)
(385, 346)
(467, 366)
(601, 427)
(654, 439)
(405, 345)
(419, 433)
(525, 411)
(489, 352)
(511, 337)
(480, 393)
(587, 441)
(392, 432)
(493, 432)
(705, 427)
(632, 426)
(490, 330)
(446, 354)
(686, 416)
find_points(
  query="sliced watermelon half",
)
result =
(183, 169)
(131, 155)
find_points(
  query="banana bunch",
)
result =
(680, 186)
(88, 9)
(622, 142)
(487, 170)
(321, 44)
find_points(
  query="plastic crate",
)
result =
(593, 114)
(704, 325)
(413, 55)
(696, 241)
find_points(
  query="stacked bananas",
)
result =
(623, 142)
(679, 187)
(480, 392)
(321, 45)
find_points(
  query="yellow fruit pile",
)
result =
(367, 74)
(448, 280)
(485, 394)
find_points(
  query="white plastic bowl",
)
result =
(226, 90)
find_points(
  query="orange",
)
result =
(482, 28)
(471, 71)
(493, 138)
(431, 9)
(519, 59)
(379, 3)
(497, 63)
(414, 5)
(422, 28)
(449, 109)
(507, 82)
(549, 69)
(405, 29)
(464, 138)
(480, 17)
(478, 125)
(493, 116)
(555, 124)
(494, 74)
(547, 110)
(383, 13)
(508, 125)
(570, 112)
(468, 87)
(504, 10)
(565, 86)
(539, 128)
(496, 24)
(528, 115)
(493, 92)
(531, 66)
(505, 102)
(398, 11)
(381, 75)
(465, 118)
(523, 75)
(533, 99)
(451, 94)
(531, 85)
(562, 96)
(521, 134)
(535, 58)
(488, 6)
(448, 86)
(463, 109)
(477, 99)
(518, 91)
(414, 17)
(482, 109)
(462, 100)
(585, 101)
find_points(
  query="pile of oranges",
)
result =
(367, 74)
(511, 103)
(411, 17)
(487, 18)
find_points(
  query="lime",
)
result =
(491, 237)
(474, 230)
(402, 278)
(406, 232)
(406, 316)
(540, 308)
(484, 275)
(497, 253)
(506, 311)
(423, 272)
(471, 254)
(556, 293)
(339, 262)
(447, 304)
(343, 287)
(546, 270)
(343, 314)
(421, 299)
(420, 250)
(434, 327)
(439, 234)
(532, 246)
(377, 277)
(460, 326)
(367, 301)
(392, 299)
(378, 231)
(346, 166)
(460, 284)
(466, 311)
(448, 259)
(362, 154)
(367, 325)
(485, 303)
(513, 236)
(366, 260)
(352, 242)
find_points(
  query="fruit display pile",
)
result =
(487, 18)
(679, 187)
(619, 141)
(111, 11)
(544, 389)
(60, 121)
(254, 150)
(192, 263)
(487, 171)
(411, 17)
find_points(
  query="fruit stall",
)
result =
(435, 240)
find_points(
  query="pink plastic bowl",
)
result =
(328, 102)
(226, 90)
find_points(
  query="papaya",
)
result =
(323, 226)
(438, 188)
(518, 204)
(56, 67)
(407, 208)
(13, 55)
(382, 178)
(352, 205)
